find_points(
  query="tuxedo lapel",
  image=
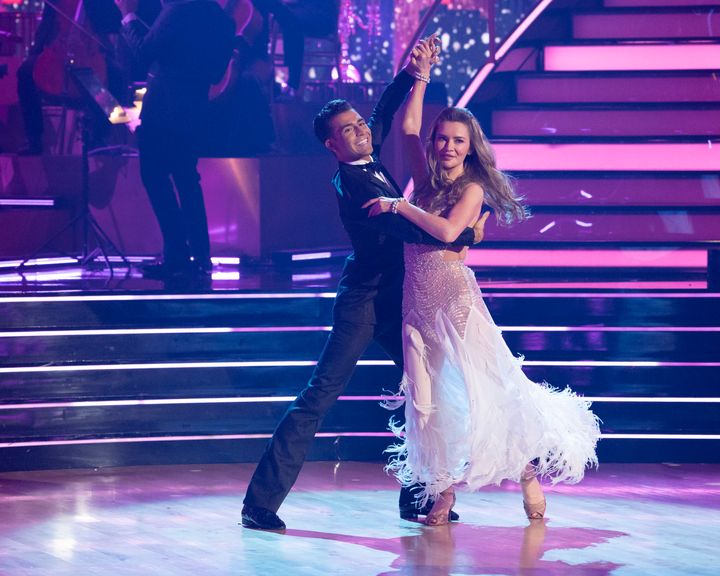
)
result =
(378, 176)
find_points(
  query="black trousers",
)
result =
(286, 452)
(30, 103)
(169, 157)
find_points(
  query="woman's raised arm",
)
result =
(422, 57)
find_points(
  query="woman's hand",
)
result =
(479, 228)
(425, 54)
(379, 205)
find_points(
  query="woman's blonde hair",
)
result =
(439, 193)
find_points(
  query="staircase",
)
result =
(99, 380)
(608, 113)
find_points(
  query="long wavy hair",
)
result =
(439, 193)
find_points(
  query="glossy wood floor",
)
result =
(628, 519)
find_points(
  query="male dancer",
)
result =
(369, 298)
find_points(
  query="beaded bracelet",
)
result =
(422, 78)
(394, 207)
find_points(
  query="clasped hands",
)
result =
(425, 53)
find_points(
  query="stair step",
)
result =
(607, 258)
(261, 417)
(656, 227)
(689, 23)
(157, 348)
(625, 190)
(636, 418)
(266, 309)
(229, 448)
(631, 57)
(658, 3)
(617, 87)
(648, 122)
(603, 157)
(251, 418)
(368, 380)
(112, 351)
(29, 316)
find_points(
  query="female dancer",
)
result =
(472, 416)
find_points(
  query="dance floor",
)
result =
(623, 519)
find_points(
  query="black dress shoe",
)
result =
(261, 519)
(412, 512)
(167, 270)
(203, 267)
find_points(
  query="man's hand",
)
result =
(127, 6)
(425, 53)
(379, 205)
(479, 228)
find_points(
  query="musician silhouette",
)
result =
(78, 33)
(188, 48)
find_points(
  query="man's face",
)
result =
(350, 138)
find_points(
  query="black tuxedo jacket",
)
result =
(187, 49)
(370, 289)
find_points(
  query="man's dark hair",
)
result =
(321, 123)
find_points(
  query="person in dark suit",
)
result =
(368, 305)
(188, 49)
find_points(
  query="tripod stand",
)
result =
(85, 216)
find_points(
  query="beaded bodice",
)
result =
(433, 284)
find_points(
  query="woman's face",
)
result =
(451, 146)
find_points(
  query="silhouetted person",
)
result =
(188, 49)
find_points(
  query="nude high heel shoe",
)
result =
(535, 510)
(442, 509)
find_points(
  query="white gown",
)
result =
(472, 417)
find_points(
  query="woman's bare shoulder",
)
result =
(473, 190)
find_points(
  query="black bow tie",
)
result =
(373, 166)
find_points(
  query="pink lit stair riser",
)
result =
(583, 226)
(695, 24)
(619, 87)
(588, 258)
(660, 157)
(604, 122)
(657, 3)
(632, 57)
(621, 190)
